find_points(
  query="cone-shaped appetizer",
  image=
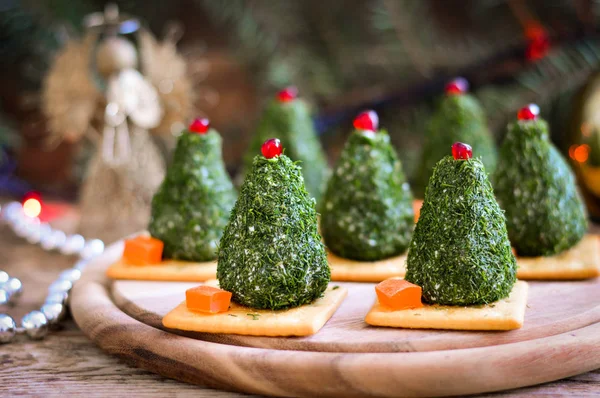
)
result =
(271, 260)
(367, 207)
(458, 117)
(459, 256)
(460, 253)
(271, 255)
(545, 214)
(189, 213)
(288, 117)
(191, 208)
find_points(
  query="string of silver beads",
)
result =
(36, 324)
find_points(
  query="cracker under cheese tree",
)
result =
(271, 259)
(288, 117)
(545, 214)
(458, 117)
(459, 259)
(367, 214)
(189, 213)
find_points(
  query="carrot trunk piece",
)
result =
(417, 204)
(207, 299)
(399, 294)
(143, 250)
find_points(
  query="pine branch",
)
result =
(410, 29)
(562, 70)
(259, 29)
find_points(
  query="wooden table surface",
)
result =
(66, 362)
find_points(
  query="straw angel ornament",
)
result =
(102, 88)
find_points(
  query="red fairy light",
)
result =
(538, 41)
(32, 204)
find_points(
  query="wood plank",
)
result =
(68, 363)
(302, 373)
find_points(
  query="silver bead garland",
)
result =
(8, 329)
(36, 324)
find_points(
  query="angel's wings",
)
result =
(166, 70)
(69, 95)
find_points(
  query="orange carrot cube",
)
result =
(399, 294)
(207, 299)
(417, 204)
(143, 250)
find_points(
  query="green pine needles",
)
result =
(191, 208)
(291, 123)
(367, 212)
(458, 118)
(536, 188)
(460, 253)
(271, 255)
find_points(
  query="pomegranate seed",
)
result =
(271, 148)
(200, 126)
(462, 151)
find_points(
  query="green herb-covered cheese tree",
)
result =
(458, 117)
(191, 208)
(545, 214)
(460, 253)
(367, 213)
(288, 117)
(271, 255)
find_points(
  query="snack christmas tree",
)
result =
(289, 118)
(191, 208)
(460, 253)
(459, 117)
(271, 255)
(545, 214)
(368, 213)
(461, 273)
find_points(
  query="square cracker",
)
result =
(167, 270)
(582, 261)
(300, 321)
(505, 314)
(343, 269)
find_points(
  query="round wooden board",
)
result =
(561, 338)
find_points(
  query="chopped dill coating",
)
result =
(367, 207)
(535, 186)
(191, 208)
(271, 255)
(460, 253)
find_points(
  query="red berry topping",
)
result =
(529, 112)
(271, 148)
(287, 94)
(457, 86)
(367, 120)
(462, 151)
(200, 126)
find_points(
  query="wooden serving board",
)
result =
(560, 338)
